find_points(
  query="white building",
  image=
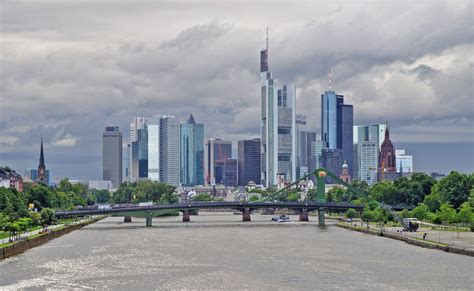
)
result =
(100, 185)
(367, 152)
(404, 162)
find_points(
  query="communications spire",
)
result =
(330, 79)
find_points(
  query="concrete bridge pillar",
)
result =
(321, 219)
(246, 214)
(186, 217)
(304, 215)
(149, 220)
(127, 219)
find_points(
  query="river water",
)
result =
(216, 251)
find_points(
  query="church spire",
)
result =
(41, 161)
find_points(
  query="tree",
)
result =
(48, 216)
(420, 212)
(293, 196)
(425, 181)
(433, 201)
(465, 213)
(405, 213)
(454, 189)
(366, 217)
(203, 197)
(447, 213)
(253, 198)
(384, 192)
(351, 213)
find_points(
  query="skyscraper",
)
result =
(301, 144)
(226, 172)
(332, 160)
(215, 149)
(136, 126)
(337, 125)
(367, 152)
(192, 152)
(277, 126)
(169, 150)
(249, 163)
(112, 155)
(363, 133)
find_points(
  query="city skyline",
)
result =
(378, 81)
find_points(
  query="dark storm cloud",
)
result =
(71, 68)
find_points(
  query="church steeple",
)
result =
(41, 161)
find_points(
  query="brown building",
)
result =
(387, 159)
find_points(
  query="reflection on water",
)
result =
(174, 255)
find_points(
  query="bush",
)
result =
(436, 219)
(47, 216)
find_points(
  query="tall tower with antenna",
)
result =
(264, 57)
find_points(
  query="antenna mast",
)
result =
(329, 79)
(267, 39)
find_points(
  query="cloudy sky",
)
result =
(69, 68)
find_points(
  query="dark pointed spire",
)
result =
(191, 119)
(41, 161)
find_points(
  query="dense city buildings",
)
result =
(215, 150)
(112, 155)
(277, 126)
(367, 133)
(301, 144)
(337, 125)
(249, 161)
(192, 152)
(226, 172)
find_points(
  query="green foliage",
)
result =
(47, 216)
(351, 213)
(203, 197)
(253, 198)
(420, 212)
(293, 196)
(404, 213)
(144, 191)
(384, 192)
(432, 201)
(454, 188)
(366, 217)
(447, 213)
(425, 181)
(465, 214)
(311, 195)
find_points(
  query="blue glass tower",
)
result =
(192, 152)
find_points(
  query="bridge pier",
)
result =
(321, 218)
(246, 214)
(149, 220)
(186, 217)
(127, 219)
(304, 215)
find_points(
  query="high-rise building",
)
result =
(214, 150)
(277, 126)
(337, 125)
(403, 162)
(332, 160)
(249, 163)
(112, 155)
(301, 144)
(192, 152)
(316, 155)
(364, 133)
(139, 158)
(226, 172)
(367, 153)
(163, 149)
(136, 126)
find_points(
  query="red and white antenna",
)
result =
(330, 79)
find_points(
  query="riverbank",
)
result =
(409, 240)
(24, 244)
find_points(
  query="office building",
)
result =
(363, 133)
(403, 162)
(332, 160)
(226, 172)
(112, 155)
(192, 152)
(337, 126)
(301, 144)
(133, 172)
(367, 153)
(277, 126)
(214, 150)
(249, 162)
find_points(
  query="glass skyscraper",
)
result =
(192, 152)
(112, 155)
(277, 126)
(249, 164)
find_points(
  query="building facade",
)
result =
(112, 155)
(277, 126)
(367, 152)
(249, 162)
(332, 160)
(403, 162)
(387, 159)
(337, 126)
(214, 150)
(192, 152)
(226, 172)
(137, 133)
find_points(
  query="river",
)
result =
(216, 251)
